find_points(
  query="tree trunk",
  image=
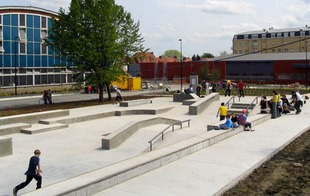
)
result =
(100, 92)
(109, 92)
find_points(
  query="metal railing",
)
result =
(251, 104)
(162, 132)
(227, 104)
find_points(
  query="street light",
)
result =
(306, 65)
(180, 40)
(16, 65)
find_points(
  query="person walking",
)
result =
(198, 90)
(34, 172)
(228, 88)
(222, 111)
(241, 88)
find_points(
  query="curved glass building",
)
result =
(24, 58)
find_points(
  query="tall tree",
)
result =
(172, 53)
(207, 55)
(98, 37)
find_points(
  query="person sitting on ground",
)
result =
(228, 124)
(264, 105)
(234, 120)
(243, 121)
(222, 111)
(285, 104)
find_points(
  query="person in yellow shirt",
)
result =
(222, 111)
(275, 104)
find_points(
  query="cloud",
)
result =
(224, 7)
(51, 4)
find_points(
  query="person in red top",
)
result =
(241, 88)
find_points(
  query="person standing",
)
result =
(222, 111)
(34, 172)
(228, 88)
(241, 88)
(198, 90)
(275, 105)
(49, 96)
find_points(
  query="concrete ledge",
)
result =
(200, 105)
(13, 128)
(143, 111)
(135, 102)
(33, 117)
(103, 178)
(77, 119)
(190, 101)
(181, 97)
(6, 146)
(40, 128)
(117, 137)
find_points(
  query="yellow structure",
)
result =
(272, 41)
(129, 83)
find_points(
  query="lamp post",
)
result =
(306, 65)
(180, 40)
(16, 65)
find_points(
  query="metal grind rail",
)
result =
(167, 128)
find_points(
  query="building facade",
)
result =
(24, 58)
(288, 40)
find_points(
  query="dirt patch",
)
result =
(69, 105)
(287, 173)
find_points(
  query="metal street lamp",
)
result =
(306, 65)
(180, 40)
(16, 50)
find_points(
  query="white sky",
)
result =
(203, 25)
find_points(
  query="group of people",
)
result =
(240, 86)
(233, 120)
(279, 105)
(47, 96)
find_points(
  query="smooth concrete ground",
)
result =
(76, 150)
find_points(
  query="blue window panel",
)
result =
(14, 20)
(37, 23)
(37, 35)
(29, 20)
(7, 61)
(14, 33)
(50, 50)
(22, 61)
(30, 34)
(37, 48)
(37, 61)
(30, 61)
(7, 47)
(49, 23)
(51, 61)
(30, 48)
(57, 61)
(7, 19)
(44, 61)
(6, 33)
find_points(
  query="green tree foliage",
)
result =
(206, 74)
(172, 53)
(207, 55)
(98, 37)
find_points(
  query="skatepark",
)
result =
(105, 150)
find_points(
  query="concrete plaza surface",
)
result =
(76, 150)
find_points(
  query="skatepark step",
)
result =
(13, 128)
(40, 128)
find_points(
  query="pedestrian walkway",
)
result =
(76, 150)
